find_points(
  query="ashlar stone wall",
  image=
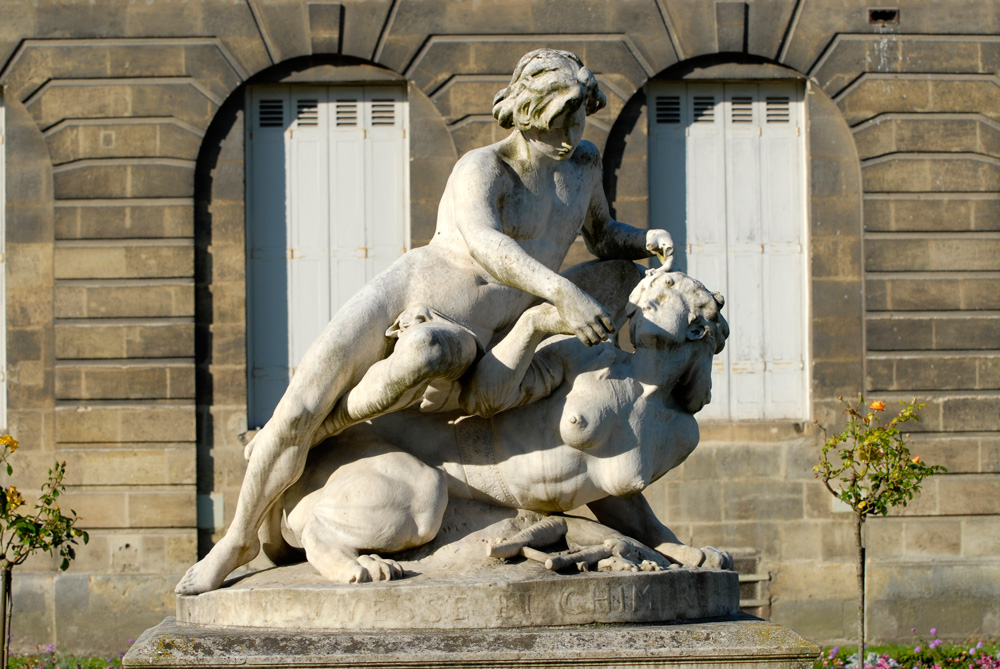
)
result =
(125, 267)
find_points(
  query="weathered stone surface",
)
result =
(517, 595)
(96, 339)
(125, 422)
(124, 260)
(714, 645)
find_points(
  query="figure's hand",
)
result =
(585, 317)
(660, 243)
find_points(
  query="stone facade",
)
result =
(126, 290)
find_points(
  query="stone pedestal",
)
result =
(742, 641)
(521, 594)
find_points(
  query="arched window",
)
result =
(327, 208)
(727, 179)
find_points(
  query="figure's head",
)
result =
(549, 96)
(672, 308)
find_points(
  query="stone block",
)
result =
(173, 507)
(227, 223)
(126, 219)
(797, 579)
(959, 453)
(835, 257)
(693, 501)
(913, 373)
(827, 619)
(836, 339)
(837, 377)
(164, 339)
(884, 334)
(875, 93)
(883, 538)
(837, 540)
(100, 508)
(924, 537)
(132, 422)
(125, 300)
(969, 494)
(800, 540)
(979, 537)
(83, 260)
(747, 461)
(906, 594)
(100, 613)
(33, 605)
(966, 332)
(131, 464)
(777, 500)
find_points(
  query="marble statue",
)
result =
(508, 216)
(545, 424)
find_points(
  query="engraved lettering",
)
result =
(602, 599)
(640, 596)
(573, 603)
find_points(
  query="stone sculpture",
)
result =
(546, 430)
(507, 218)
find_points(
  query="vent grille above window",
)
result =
(778, 109)
(668, 109)
(346, 113)
(742, 109)
(271, 114)
(704, 109)
(383, 112)
(307, 112)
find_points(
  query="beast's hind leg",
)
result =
(376, 499)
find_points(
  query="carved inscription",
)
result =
(585, 599)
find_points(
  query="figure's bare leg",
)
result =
(334, 363)
(425, 352)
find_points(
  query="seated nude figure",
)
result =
(559, 425)
(507, 218)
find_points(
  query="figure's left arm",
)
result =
(634, 517)
(607, 238)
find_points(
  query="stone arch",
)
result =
(834, 214)
(220, 260)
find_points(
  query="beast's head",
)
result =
(670, 311)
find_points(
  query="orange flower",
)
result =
(916, 459)
(877, 405)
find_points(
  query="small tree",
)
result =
(875, 473)
(21, 534)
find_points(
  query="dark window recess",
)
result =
(754, 596)
(883, 16)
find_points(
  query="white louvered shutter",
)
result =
(736, 212)
(267, 282)
(343, 163)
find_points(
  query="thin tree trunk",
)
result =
(5, 602)
(861, 590)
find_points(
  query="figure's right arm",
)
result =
(477, 186)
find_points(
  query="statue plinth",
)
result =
(511, 595)
(726, 644)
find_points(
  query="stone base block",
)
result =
(721, 644)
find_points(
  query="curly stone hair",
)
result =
(545, 83)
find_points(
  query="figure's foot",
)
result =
(361, 569)
(209, 572)
(716, 558)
